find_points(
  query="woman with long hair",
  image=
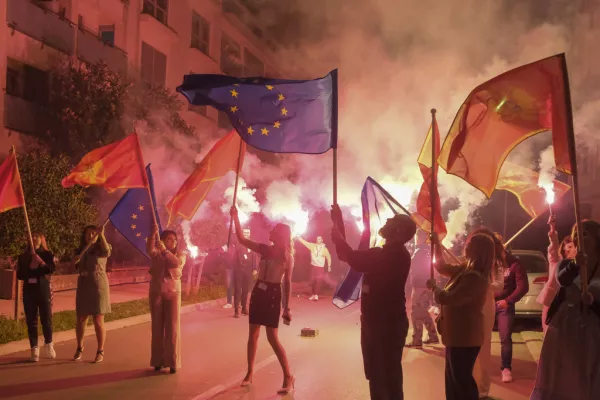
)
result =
(461, 319)
(93, 289)
(166, 267)
(275, 267)
(483, 365)
(569, 365)
(556, 253)
(34, 268)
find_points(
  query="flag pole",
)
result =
(89, 244)
(574, 174)
(29, 236)
(433, 187)
(235, 189)
(527, 225)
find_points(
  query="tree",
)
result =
(59, 213)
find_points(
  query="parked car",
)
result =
(537, 273)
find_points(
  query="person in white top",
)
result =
(319, 256)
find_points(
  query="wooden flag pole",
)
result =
(235, 189)
(90, 243)
(527, 225)
(573, 159)
(29, 236)
(433, 187)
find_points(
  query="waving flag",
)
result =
(11, 195)
(424, 210)
(500, 114)
(132, 215)
(118, 165)
(377, 206)
(524, 183)
(275, 115)
(222, 158)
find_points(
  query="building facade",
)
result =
(157, 41)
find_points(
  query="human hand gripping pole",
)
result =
(91, 242)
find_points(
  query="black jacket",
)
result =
(37, 278)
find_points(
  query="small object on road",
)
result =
(309, 332)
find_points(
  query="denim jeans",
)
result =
(230, 284)
(505, 318)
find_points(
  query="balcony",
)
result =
(42, 25)
(23, 116)
(91, 49)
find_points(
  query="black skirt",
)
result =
(265, 304)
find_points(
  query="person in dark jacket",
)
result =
(34, 269)
(245, 266)
(421, 297)
(384, 323)
(516, 285)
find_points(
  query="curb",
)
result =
(533, 341)
(64, 336)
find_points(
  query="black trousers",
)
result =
(460, 384)
(35, 302)
(242, 278)
(382, 345)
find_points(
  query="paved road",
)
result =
(326, 367)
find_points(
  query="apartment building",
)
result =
(158, 41)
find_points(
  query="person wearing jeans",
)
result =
(516, 285)
(34, 269)
(319, 254)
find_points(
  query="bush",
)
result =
(11, 330)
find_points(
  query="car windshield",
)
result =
(533, 264)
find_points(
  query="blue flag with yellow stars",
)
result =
(132, 215)
(377, 206)
(276, 115)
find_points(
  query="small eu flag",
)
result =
(275, 115)
(377, 206)
(132, 215)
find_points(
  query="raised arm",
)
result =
(252, 245)
(308, 245)
(104, 246)
(441, 266)
(359, 260)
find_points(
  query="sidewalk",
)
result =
(65, 300)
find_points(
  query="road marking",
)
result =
(235, 381)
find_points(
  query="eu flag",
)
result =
(377, 206)
(276, 115)
(132, 215)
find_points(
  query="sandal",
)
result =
(78, 354)
(99, 356)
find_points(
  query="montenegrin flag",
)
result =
(524, 183)
(116, 166)
(222, 158)
(501, 113)
(11, 195)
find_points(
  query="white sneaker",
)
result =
(507, 375)
(312, 297)
(316, 297)
(227, 306)
(35, 354)
(50, 353)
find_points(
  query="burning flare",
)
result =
(549, 188)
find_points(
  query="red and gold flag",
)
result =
(423, 215)
(118, 165)
(11, 194)
(222, 158)
(500, 114)
(524, 183)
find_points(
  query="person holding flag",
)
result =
(93, 289)
(34, 269)
(166, 269)
(384, 323)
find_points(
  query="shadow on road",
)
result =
(69, 383)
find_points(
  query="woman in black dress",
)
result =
(275, 267)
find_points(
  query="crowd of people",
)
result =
(472, 296)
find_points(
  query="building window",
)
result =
(200, 110)
(200, 33)
(154, 65)
(156, 8)
(107, 34)
(27, 82)
(252, 64)
(231, 57)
